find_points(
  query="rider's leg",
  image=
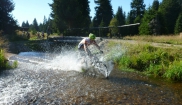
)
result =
(82, 56)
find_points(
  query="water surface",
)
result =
(47, 78)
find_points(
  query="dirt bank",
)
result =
(13, 48)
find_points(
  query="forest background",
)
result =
(72, 17)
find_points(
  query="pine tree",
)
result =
(27, 24)
(169, 11)
(35, 24)
(44, 24)
(84, 18)
(120, 16)
(150, 24)
(137, 10)
(23, 24)
(180, 2)
(69, 14)
(155, 5)
(178, 26)
(103, 12)
(7, 22)
(129, 18)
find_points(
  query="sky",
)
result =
(28, 10)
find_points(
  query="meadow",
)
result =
(150, 59)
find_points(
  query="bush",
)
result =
(174, 72)
(152, 60)
(4, 62)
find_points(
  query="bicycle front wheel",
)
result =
(102, 68)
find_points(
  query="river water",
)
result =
(53, 78)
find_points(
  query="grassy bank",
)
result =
(4, 64)
(151, 60)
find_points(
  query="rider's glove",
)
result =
(101, 52)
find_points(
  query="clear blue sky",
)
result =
(29, 9)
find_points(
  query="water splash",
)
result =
(67, 61)
(111, 54)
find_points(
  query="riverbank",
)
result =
(163, 60)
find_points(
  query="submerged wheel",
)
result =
(102, 68)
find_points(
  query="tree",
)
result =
(84, 8)
(35, 25)
(130, 18)
(137, 10)
(178, 26)
(103, 12)
(114, 23)
(7, 23)
(155, 5)
(43, 25)
(68, 14)
(150, 23)
(44, 21)
(169, 11)
(27, 24)
(23, 24)
(120, 16)
(180, 2)
(102, 31)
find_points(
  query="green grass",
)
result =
(174, 72)
(145, 58)
(4, 62)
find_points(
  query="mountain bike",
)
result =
(93, 61)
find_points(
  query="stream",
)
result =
(56, 79)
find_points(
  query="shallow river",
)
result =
(43, 78)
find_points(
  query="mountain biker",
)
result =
(83, 45)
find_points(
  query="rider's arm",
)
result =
(96, 45)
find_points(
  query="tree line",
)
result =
(72, 17)
(35, 27)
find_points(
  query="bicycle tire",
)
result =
(102, 68)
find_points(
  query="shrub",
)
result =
(151, 60)
(4, 62)
(174, 71)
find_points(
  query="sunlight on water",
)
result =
(65, 61)
(15, 84)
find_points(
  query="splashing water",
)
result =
(44, 76)
(113, 53)
(15, 84)
(66, 61)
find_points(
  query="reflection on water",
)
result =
(47, 78)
